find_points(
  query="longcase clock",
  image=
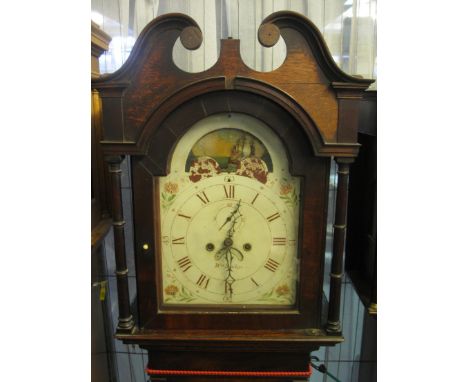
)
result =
(230, 174)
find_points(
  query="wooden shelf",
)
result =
(99, 232)
(279, 340)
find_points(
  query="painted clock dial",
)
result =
(229, 213)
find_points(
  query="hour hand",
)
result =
(228, 219)
(238, 254)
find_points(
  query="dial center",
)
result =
(228, 242)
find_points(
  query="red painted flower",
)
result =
(285, 188)
(253, 167)
(282, 290)
(203, 167)
(171, 188)
(171, 290)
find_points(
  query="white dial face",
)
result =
(229, 223)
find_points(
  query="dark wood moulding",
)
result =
(312, 106)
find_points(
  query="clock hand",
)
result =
(228, 247)
(229, 218)
(227, 250)
(221, 252)
(228, 289)
(229, 279)
(229, 259)
(232, 228)
(239, 255)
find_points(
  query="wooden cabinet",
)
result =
(149, 107)
(101, 358)
(100, 211)
(361, 246)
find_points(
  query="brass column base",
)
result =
(333, 327)
(125, 325)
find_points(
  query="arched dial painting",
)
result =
(229, 218)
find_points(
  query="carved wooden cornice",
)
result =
(99, 44)
(149, 83)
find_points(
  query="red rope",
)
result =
(233, 373)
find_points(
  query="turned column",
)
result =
(339, 236)
(126, 323)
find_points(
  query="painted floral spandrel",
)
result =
(169, 193)
(288, 193)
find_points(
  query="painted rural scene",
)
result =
(230, 151)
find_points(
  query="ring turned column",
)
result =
(339, 234)
(126, 322)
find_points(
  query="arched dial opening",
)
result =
(229, 213)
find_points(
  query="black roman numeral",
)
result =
(185, 263)
(254, 199)
(184, 216)
(271, 265)
(179, 240)
(279, 241)
(273, 217)
(202, 196)
(229, 191)
(203, 281)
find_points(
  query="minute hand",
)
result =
(229, 218)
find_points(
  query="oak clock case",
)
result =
(226, 216)
(229, 218)
(230, 177)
